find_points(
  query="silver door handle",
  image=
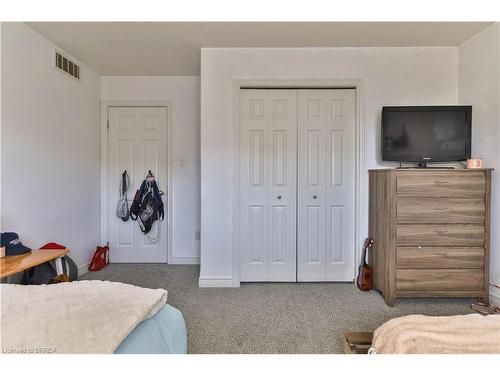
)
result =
(315, 196)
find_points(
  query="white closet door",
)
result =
(341, 179)
(311, 241)
(268, 149)
(137, 144)
(326, 202)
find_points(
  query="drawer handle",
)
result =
(442, 181)
(440, 209)
(440, 230)
(419, 247)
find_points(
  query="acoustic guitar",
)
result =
(364, 280)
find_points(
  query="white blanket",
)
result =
(419, 334)
(77, 317)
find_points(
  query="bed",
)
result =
(164, 333)
(419, 334)
(89, 317)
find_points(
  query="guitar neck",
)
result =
(363, 256)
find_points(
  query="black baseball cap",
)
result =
(13, 246)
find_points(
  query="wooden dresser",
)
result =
(431, 230)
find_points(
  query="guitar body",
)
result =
(364, 279)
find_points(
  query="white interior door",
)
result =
(268, 149)
(137, 144)
(326, 175)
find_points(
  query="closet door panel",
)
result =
(268, 126)
(311, 220)
(340, 170)
(326, 157)
(282, 198)
(253, 186)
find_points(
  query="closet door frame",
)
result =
(361, 187)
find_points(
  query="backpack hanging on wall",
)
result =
(122, 210)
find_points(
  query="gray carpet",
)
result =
(271, 317)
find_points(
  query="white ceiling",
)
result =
(173, 48)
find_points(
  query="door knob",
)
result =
(279, 196)
(315, 196)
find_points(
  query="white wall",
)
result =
(184, 93)
(1, 27)
(479, 85)
(390, 76)
(50, 146)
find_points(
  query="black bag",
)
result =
(42, 273)
(135, 206)
(147, 206)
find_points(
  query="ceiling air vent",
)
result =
(65, 65)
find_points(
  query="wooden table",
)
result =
(12, 264)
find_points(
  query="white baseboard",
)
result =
(495, 296)
(217, 282)
(83, 269)
(185, 260)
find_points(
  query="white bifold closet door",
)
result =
(268, 165)
(326, 190)
(297, 164)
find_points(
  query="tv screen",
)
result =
(426, 134)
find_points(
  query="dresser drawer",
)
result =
(440, 210)
(438, 279)
(440, 257)
(440, 235)
(440, 184)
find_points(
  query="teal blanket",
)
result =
(164, 333)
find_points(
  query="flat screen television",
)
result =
(426, 134)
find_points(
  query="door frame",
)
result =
(105, 105)
(361, 188)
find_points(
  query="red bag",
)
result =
(100, 258)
